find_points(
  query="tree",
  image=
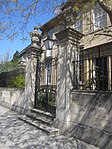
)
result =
(16, 15)
(6, 64)
(15, 60)
(9, 72)
(107, 6)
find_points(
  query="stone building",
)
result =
(95, 44)
(93, 51)
(77, 69)
(84, 78)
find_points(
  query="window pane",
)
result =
(99, 17)
(48, 72)
(78, 24)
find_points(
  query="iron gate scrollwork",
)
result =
(45, 87)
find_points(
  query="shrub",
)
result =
(17, 82)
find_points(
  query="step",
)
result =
(38, 116)
(40, 119)
(42, 113)
(46, 129)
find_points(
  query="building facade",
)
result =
(92, 63)
(77, 69)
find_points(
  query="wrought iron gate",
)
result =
(45, 87)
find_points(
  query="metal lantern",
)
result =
(48, 42)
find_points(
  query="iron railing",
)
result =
(92, 69)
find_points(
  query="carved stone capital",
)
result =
(35, 37)
(70, 35)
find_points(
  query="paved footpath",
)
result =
(15, 134)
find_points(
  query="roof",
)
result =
(24, 50)
(53, 22)
(57, 19)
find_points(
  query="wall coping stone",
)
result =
(91, 91)
(13, 89)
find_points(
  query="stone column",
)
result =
(68, 43)
(109, 72)
(94, 73)
(87, 70)
(32, 53)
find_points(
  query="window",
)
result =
(100, 17)
(78, 24)
(96, 69)
(48, 72)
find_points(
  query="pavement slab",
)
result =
(15, 134)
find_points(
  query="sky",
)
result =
(10, 47)
(7, 46)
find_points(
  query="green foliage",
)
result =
(7, 65)
(15, 57)
(76, 8)
(17, 81)
(51, 98)
(83, 5)
(42, 98)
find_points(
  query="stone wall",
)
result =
(85, 115)
(13, 99)
(91, 118)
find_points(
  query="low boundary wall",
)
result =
(13, 98)
(91, 117)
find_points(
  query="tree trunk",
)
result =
(106, 6)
